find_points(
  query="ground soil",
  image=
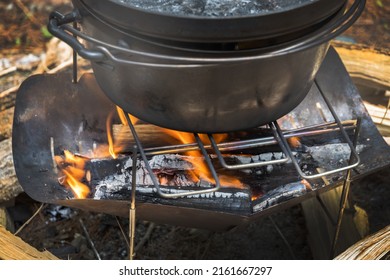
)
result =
(61, 230)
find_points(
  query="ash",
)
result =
(214, 8)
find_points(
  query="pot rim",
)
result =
(210, 29)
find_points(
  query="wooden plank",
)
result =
(321, 229)
(14, 248)
(379, 114)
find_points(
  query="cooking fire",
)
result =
(222, 120)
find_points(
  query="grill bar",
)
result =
(254, 143)
(279, 137)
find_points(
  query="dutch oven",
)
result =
(205, 74)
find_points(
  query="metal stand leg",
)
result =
(344, 194)
(132, 223)
(75, 75)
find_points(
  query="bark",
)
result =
(6, 120)
(9, 186)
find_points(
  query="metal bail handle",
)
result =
(56, 20)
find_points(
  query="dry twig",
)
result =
(58, 68)
(89, 239)
(29, 220)
(145, 237)
(27, 12)
(8, 71)
(123, 232)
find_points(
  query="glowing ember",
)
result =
(256, 195)
(294, 142)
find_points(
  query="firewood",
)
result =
(9, 186)
(365, 63)
(379, 114)
(150, 136)
(8, 71)
(14, 248)
(373, 247)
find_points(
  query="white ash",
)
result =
(214, 8)
(242, 159)
(333, 154)
(259, 158)
(172, 161)
(169, 161)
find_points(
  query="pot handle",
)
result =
(55, 26)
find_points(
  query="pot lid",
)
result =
(280, 18)
(214, 8)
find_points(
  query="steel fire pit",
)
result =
(52, 115)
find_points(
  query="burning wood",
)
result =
(171, 170)
(104, 177)
(111, 179)
(281, 194)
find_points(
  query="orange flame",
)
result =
(110, 138)
(201, 170)
(73, 166)
(73, 169)
(122, 116)
(114, 150)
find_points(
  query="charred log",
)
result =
(111, 179)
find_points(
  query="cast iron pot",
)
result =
(193, 89)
